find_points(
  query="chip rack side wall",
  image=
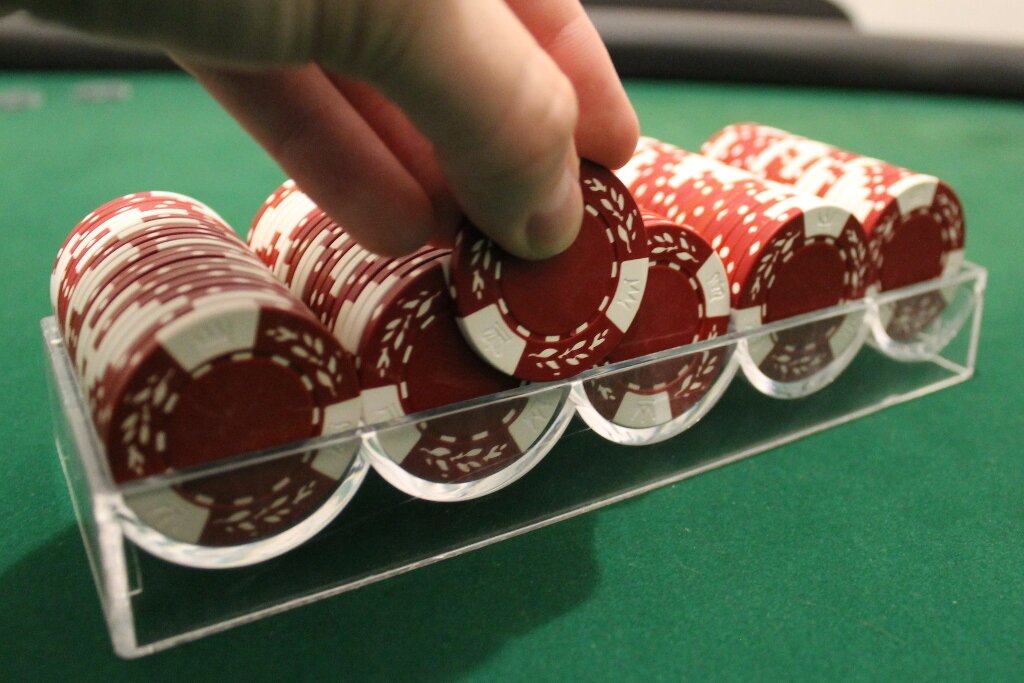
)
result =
(151, 605)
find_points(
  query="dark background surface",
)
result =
(802, 42)
(889, 548)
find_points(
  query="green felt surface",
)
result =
(889, 548)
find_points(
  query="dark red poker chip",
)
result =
(112, 292)
(785, 254)
(237, 401)
(325, 279)
(914, 222)
(551, 319)
(119, 253)
(686, 301)
(381, 284)
(94, 232)
(189, 352)
(413, 358)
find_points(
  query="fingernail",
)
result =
(553, 228)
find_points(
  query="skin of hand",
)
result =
(398, 117)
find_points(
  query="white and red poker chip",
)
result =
(189, 351)
(785, 254)
(686, 302)
(282, 211)
(914, 222)
(412, 358)
(552, 319)
(397, 317)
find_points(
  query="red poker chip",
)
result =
(914, 222)
(90, 235)
(114, 340)
(334, 300)
(265, 214)
(686, 301)
(279, 215)
(295, 242)
(413, 358)
(331, 240)
(89, 314)
(344, 293)
(137, 311)
(190, 351)
(256, 391)
(91, 284)
(113, 256)
(334, 244)
(116, 274)
(71, 243)
(157, 271)
(379, 285)
(325, 279)
(551, 319)
(785, 254)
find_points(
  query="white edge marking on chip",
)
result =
(534, 419)
(758, 347)
(954, 259)
(715, 283)
(781, 207)
(399, 441)
(213, 336)
(914, 192)
(167, 511)
(825, 219)
(493, 339)
(746, 318)
(333, 461)
(381, 404)
(342, 416)
(640, 411)
(846, 335)
(725, 139)
(851, 194)
(629, 292)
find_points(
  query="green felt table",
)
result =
(891, 547)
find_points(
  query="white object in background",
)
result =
(983, 21)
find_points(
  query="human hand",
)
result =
(399, 116)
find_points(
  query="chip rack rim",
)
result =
(968, 272)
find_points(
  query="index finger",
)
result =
(607, 130)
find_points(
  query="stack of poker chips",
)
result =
(914, 222)
(785, 253)
(686, 302)
(192, 345)
(396, 317)
(188, 350)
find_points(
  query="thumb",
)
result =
(500, 113)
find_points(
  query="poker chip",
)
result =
(914, 222)
(785, 253)
(397, 317)
(189, 352)
(552, 319)
(686, 302)
(281, 212)
(413, 358)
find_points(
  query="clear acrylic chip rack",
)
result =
(152, 604)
